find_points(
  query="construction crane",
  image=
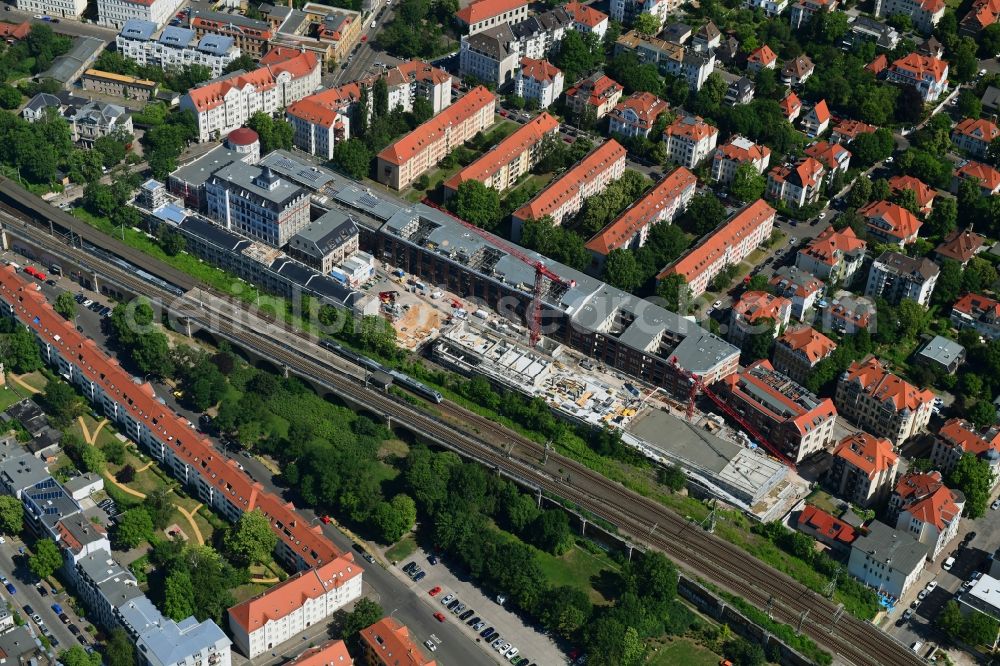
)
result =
(534, 314)
(697, 385)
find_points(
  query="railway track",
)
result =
(641, 519)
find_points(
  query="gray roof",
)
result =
(216, 44)
(884, 544)
(942, 350)
(18, 468)
(991, 98)
(138, 29)
(195, 173)
(213, 233)
(294, 168)
(85, 51)
(99, 113)
(919, 268)
(49, 502)
(171, 642)
(43, 101)
(100, 567)
(675, 32)
(496, 42)
(18, 644)
(234, 19)
(325, 234)
(257, 182)
(81, 482)
(177, 36)
(83, 530)
(293, 22)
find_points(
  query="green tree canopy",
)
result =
(395, 518)
(46, 559)
(476, 203)
(703, 214)
(61, 402)
(646, 24)
(251, 540)
(622, 270)
(120, 649)
(973, 477)
(11, 515)
(274, 133)
(65, 305)
(134, 528)
(748, 184)
(353, 157)
(366, 613)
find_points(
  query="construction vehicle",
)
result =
(387, 296)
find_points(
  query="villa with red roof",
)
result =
(539, 80)
(987, 177)
(636, 115)
(729, 244)
(882, 403)
(982, 14)
(597, 92)
(973, 135)
(797, 185)
(794, 420)
(927, 74)
(751, 311)
(833, 255)
(863, 470)
(977, 312)
(762, 58)
(740, 150)
(333, 653)
(791, 106)
(483, 14)
(388, 643)
(848, 130)
(891, 223)
(799, 350)
(586, 19)
(924, 14)
(831, 155)
(927, 509)
(801, 288)
(960, 245)
(222, 105)
(826, 529)
(817, 120)
(690, 140)
(958, 437)
(925, 193)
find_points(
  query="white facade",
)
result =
(57, 8)
(176, 47)
(728, 158)
(625, 11)
(318, 130)
(115, 13)
(690, 140)
(887, 560)
(544, 90)
(771, 8)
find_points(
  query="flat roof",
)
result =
(942, 350)
(196, 172)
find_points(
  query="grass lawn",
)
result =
(576, 568)
(393, 448)
(8, 397)
(825, 501)
(681, 651)
(402, 549)
(248, 591)
(35, 380)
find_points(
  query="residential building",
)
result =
(803, 11)
(771, 8)
(797, 185)
(942, 354)
(739, 92)
(257, 203)
(326, 242)
(337, 30)
(690, 140)
(57, 8)
(663, 203)
(119, 85)
(825, 528)
(225, 104)
(982, 597)
(388, 643)
(116, 13)
(540, 35)
(669, 57)
(187, 182)
(565, 195)
(729, 244)
(801, 288)
(38, 107)
(333, 653)
(928, 510)
(729, 49)
(833, 156)
(925, 193)
(586, 19)
(636, 115)
(878, 65)
(865, 30)
(799, 350)
(927, 74)
(790, 417)
(817, 120)
(848, 315)
(833, 255)
(96, 119)
(912, 487)
(923, 14)
(707, 38)
(251, 36)
(982, 14)
(977, 312)
(986, 176)
(491, 55)
(882, 403)
(887, 560)
(502, 165)
(484, 14)
(753, 310)
(974, 135)
(958, 437)
(864, 469)
(176, 47)
(12, 33)
(960, 245)
(740, 150)
(404, 161)
(791, 106)
(897, 277)
(262, 623)
(416, 79)
(848, 130)
(539, 81)
(318, 128)
(625, 11)
(891, 223)
(596, 95)
(931, 47)
(797, 70)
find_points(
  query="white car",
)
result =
(931, 586)
(716, 305)
(511, 653)
(431, 645)
(995, 505)
(38, 16)
(447, 599)
(889, 159)
(948, 564)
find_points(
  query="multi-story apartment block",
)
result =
(847, 130)
(625, 11)
(484, 14)
(833, 156)
(491, 55)
(928, 510)
(404, 161)
(225, 104)
(761, 58)
(317, 127)
(636, 115)
(958, 437)
(739, 150)
(771, 8)
(586, 19)
(865, 30)
(977, 312)
(801, 288)
(927, 74)
(670, 57)
(539, 81)
(897, 277)
(887, 560)
(690, 140)
(797, 185)
(797, 71)
(333, 653)
(502, 165)
(985, 176)
(794, 420)
(974, 135)
(119, 85)
(925, 193)
(175, 48)
(326, 242)
(924, 14)
(833, 255)
(758, 312)
(262, 623)
(388, 643)
(116, 13)
(729, 244)
(803, 11)
(565, 195)
(882, 403)
(891, 223)
(597, 94)
(864, 469)
(799, 350)
(817, 120)
(739, 92)
(251, 36)
(415, 79)
(541, 34)
(57, 8)
(255, 202)
(663, 203)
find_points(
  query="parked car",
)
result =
(466, 615)
(419, 577)
(948, 564)
(439, 616)
(447, 599)
(434, 591)
(10, 588)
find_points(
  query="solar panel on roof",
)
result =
(368, 201)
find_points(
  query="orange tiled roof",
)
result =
(691, 127)
(754, 305)
(312, 111)
(476, 100)
(826, 525)
(525, 138)
(11, 31)
(585, 14)
(806, 173)
(212, 95)
(620, 231)
(334, 652)
(480, 10)
(960, 245)
(790, 104)
(804, 414)
(964, 435)
(878, 65)
(646, 106)
(809, 341)
(914, 486)
(763, 55)
(416, 70)
(736, 153)
(979, 129)
(872, 455)
(831, 244)
(596, 89)
(925, 193)
(392, 645)
(975, 305)
(852, 128)
(538, 69)
(983, 13)
(902, 223)
(987, 176)
(919, 65)
(821, 112)
(881, 384)
(828, 154)
(938, 509)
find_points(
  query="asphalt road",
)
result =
(66, 26)
(366, 55)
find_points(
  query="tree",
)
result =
(112, 149)
(396, 518)
(11, 515)
(476, 203)
(274, 133)
(245, 62)
(673, 289)
(758, 345)
(973, 477)
(550, 532)
(159, 506)
(673, 477)
(748, 184)
(172, 242)
(119, 650)
(366, 613)
(353, 158)
(579, 54)
(744, 653)
(969, 105)
(46, 559)
(10, 98)
(126, 474)
(949, 282)
(77, 656)
(62, 403)
(983, 414)
(978, 275)
(251, 540)
(65, 305)
(114, 451)
(134, 528)
(564, 610)
(380, 95)
(20, 351)
(646, 24)
(873, 147)
(622, 270)
(943, 217)
(704, 213)
(178, 595)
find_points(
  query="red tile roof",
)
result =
(938, 509)
(754, 305)
(595, 89)
(831, 245)
(828, 154)
(538, 69)
(212, 95)
(925, 193)
(525, 138)
(851, 129)
(585, 14)
(809, 341)
(975, 305)
(798, 406)
(416, 70)
(919, 65)
(390, 642)
(333, 653)
(982, 14)
(220, 474)
(11, 31)
(878, 65)
(881, 384)
(763, 56)
(404, 149)
(978, 128)
(902, 223)
(806, 173)
(964, 435)
(988, 177)
(620, 231)
(821, 112)
(480, 10)
(693, 128)
(646, 106)
(872, 455)
(790, 104)
(960, 245)
(739, 151)
(827, 526)
(312, 111)
(914, 486)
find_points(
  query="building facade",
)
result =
(958, 437)
(690, 140)
(977, 312)
(886, 559)
(864, 470)
(635, 116)
(797, 185)
(539, 81)
(596, 95)
(833, 255)
(891, 223)
(116, 13)
(798, 350)
(57, 8)
(739, 150)
(924, 14)
(927, 74)
(119, 85)
(897, 277)
(175, 47)
(975, 135)
(882, 403)
(257, 203)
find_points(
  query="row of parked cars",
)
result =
(478, 625)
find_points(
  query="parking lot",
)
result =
(448, 586)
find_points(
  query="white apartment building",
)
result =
(864, 469)
(771, 8)
(887, 560)
(897, 277)
(974, 136)
(413, 79)
(882, 403)
(635, 116)
(255, 202)
(484, 14)
(796, 185)
(317, 128)
(924, 14)
(833, 255)
(740, 150)
(625, 11)
(176, 47)
(539, 81)
(690, 140)
(932, 519)
(226, 104)
(116, 13)
(56, 8)
(927, 74)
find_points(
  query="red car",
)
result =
(434, 591)
(325, 519)
(439, 617)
